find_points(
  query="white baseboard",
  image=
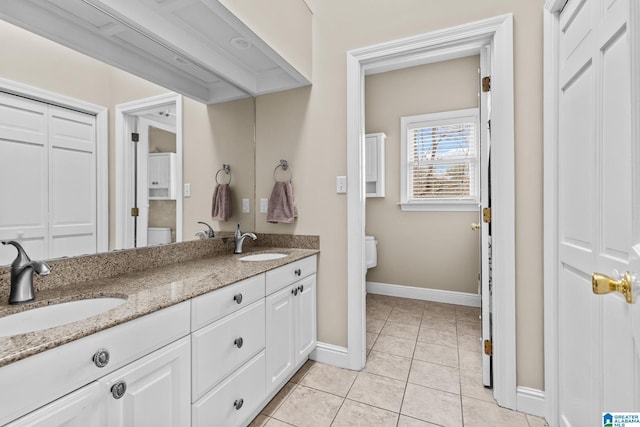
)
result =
(331, 355)
(436, 295)
(530, 401)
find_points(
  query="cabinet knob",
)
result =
(298, 272)
(118, 389)
(301, 288)
(238, 298)
(294, 291)
(238, 342)
(101, 358)
(238, 404)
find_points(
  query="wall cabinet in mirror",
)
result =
(162, 176)
(374, 163)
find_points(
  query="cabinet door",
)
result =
(305, 318)
(83, 407)
(371, 158)
(158, 171)
(157, 389)
(279, 337)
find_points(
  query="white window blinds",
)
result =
(441, 157)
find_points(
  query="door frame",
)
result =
(436, 46)
(551, 72)
(102, 146)
(125, 121)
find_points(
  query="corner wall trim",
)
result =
(436, 295)
(331, 354)
(530, 401)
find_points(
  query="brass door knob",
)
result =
(475, 226)
(603, 284)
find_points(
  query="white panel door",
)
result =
(72, 183)
(598, 203)
(23, 176)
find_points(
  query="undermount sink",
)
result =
(55, 315)
(265, 256)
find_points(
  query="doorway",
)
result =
(451, 43)
(149, 171)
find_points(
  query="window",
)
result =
(440, 161)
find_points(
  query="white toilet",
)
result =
(371, 251)
(158, 236)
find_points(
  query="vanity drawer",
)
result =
(235, 399)
(217, 304)
(223, 346)
(287, 274)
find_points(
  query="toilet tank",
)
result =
(158, 236)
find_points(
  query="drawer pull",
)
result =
(238, 404)
(238, 298)
(298, 272)
(118, 389)
(294, 291)
(301, 288)
(238, 342)
(101, 358)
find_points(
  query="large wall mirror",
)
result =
(51, 179)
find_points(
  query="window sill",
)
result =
(441, 206)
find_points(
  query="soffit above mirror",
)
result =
(195, 47)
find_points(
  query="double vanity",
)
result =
(200, 342)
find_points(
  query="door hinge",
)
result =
(135, 211)
(486, 84)
(488, 347)
(486, 215)
(135, 136)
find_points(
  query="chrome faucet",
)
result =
(239, 238)
(22, 270)
(204, 235)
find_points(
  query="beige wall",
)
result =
(308, 127)
(213, 135)
(436, 250)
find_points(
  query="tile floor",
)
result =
(423, 369)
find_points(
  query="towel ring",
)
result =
(284, 165)
(226, 169)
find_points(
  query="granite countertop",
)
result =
(145, 292)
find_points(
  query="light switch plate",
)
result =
(187, 190)
(245, 205)
(264, 205)
(341, 184)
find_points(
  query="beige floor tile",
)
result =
(374, 325)
(378, 391)
(434, 406)
(276, 423)
(466, 327)
(309, 407)
(481, 414)
(436, 336)
(443, 311)
(354, 414)
(388, 365)
(440, 377)
(277, 400)
(371, 339)
(470, 361)
(259, 421)
(409, 306)
(444, 325)
(468, 343)
(468, 313)
(400, 330)
(394, 345)
(536, 421)
(379, 311)
(405, 421)
(471, 386)
(330, 379)
(435, 353)
(406, 317)
(297, 377)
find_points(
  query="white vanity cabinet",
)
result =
(290, 319)
(227, 353)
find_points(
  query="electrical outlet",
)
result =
(245, 205)
(341, 184)
(187, 190)
(264, 205)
